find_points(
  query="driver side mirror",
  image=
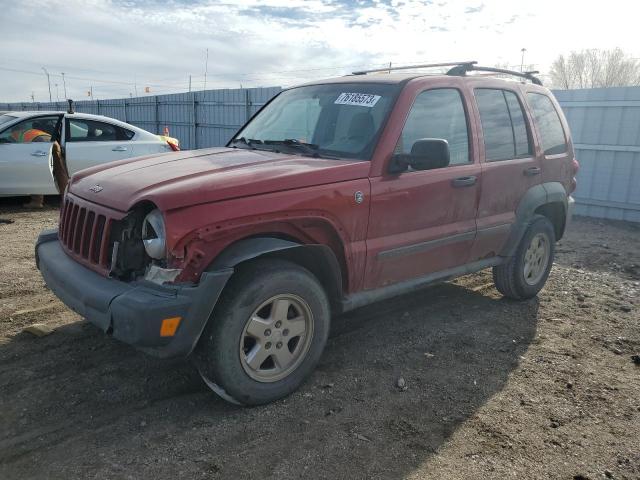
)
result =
(426, 154)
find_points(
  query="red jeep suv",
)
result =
(335, 194)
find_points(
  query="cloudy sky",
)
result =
(119, 47)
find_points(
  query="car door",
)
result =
(510, 165)
(91, 142)
(424, 221)
(25, 153)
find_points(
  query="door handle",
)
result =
(531, 171)
(464, 181)
(119, 149)
(39, 153)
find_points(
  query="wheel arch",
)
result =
(547, 199)
(319, 259)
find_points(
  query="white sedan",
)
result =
(26, 140)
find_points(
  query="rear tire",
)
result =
(524, 274)
(267, 333)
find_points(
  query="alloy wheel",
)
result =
(276, 338)
(536, 259)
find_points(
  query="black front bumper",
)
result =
(131, 311)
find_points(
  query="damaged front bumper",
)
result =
(132, 312)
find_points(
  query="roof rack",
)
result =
(462, 69)
(459, 69)
(425, 65)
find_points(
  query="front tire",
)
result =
(267, 333)
(524, 274)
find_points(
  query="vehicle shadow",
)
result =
(77, 404)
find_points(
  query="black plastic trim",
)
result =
(366, 297)
(535, 197)
(428, 245)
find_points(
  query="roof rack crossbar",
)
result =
(461, 70)
(409, 67)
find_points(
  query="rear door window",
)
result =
(504, 126)
(438, 113)
(84, 130)
(548, 122)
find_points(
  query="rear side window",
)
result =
(503, 125)
(438, 114)
(548, 122)
(82, 130)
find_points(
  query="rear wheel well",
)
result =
(555, 213)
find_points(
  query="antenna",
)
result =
(206, 68)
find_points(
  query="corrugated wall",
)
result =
(605, 125)
(198, 119)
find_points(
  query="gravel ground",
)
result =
(494, 389)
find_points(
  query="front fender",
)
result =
(248, 249)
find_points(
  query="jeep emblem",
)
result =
(96, 188)
(359, 196)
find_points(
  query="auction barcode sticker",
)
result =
(358, 99)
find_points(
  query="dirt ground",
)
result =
(495, 389)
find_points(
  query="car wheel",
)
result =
(524, 274)
(267, 333)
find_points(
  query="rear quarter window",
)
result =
(548, 122)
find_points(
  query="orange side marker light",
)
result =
(169, 326)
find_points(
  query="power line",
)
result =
(283, 77)
(208, 75)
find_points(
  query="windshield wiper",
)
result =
(306, 148)
(249, 142)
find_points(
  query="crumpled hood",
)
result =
(179, 179)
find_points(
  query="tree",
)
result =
(595, 68)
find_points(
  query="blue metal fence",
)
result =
(605, 124)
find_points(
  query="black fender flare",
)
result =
(317, 258)
(536, 196)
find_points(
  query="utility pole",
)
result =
(57, 92)
(48, 82)
(189, 83)
(135, 84)
(64, 84)
(33, 97)
(522, 59)
(206, 67)
(91, 91)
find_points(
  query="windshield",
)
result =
(6, 118)
(340, 120)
